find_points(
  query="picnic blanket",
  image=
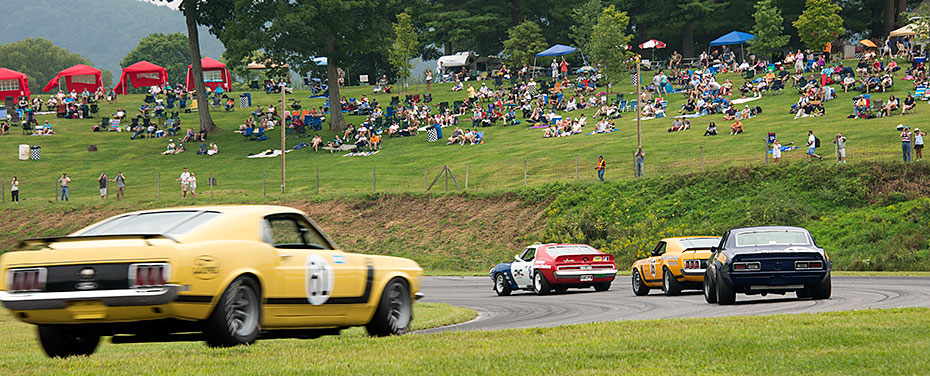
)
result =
(540, 126)
(269, 153)
(361, 153)
(611, 131)
(744, 100)
(645, 118)
(688, 116)
(785, 148)
(343, 147)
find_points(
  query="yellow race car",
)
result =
(227, 275)
(674, 264)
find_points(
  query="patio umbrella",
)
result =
(653, 44)
(868, 43)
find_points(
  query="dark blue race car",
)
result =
(767, 260)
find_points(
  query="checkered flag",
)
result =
(432, 135)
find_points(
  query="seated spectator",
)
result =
(412, 129)
(349, 132)
(711, 130)
(456, 136)
(890, 106)
(361, 142)
(46, 129)
(908, 105)
(861, 105)
(150, 131)
(120, 114)
(374, 143)
(4, 128)
(203, 148)
(190, 136)
(458, 86)
(736, 128)
(230, 103)
(174, 127)
(604, 126)
(144, 109)
(201, 135)
(315, 143)
(171, 148)
(848, 82)
(213, 149)
(334, 144)
(469, 136)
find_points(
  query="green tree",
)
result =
(921, 20)
(692, 12)
(819, 24)
(585, 17)
(609, 40)
(768, 29)
(168, 50)
(525, 41)
(479, 26)
(405, 46)
(41, 60)
(294, 32)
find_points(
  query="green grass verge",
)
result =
(497, 165)
(894, 341)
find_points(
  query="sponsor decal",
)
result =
(86, 285)
(673, 262)
(206, 267)
(543, 266)
(338, 259)
(598, 258)
(319, 279)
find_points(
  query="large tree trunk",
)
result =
(888, 18)
(447, 48)
(193, 38)
(687, 39)
(902, 7)
(336, 122)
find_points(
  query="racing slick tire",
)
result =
(236, 320)
(540, 284)
(639, 287)
(725, 293)
(501, 287)
(710, 291)
(803, 294)
(60, 342)
(602, 286)
(823, 290)
(395, 311)
(670, 285)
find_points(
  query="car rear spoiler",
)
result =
(43, 242)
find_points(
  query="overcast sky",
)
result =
(172, 5)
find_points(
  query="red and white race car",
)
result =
(546, 267)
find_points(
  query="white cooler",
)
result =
(24, 152)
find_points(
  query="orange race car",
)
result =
(675, 264)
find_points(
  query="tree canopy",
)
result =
(525, 41)
(41, 60)
(168, 50)
(405, 46)
(819, 24)
(768, 29)
(609, 40)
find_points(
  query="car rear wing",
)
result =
(44, 242)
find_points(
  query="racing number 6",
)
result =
(319, 280)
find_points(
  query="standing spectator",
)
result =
(185, 184)
(192, 182)
(555, 69)
(120, 185)
(428, 76)
(776, 151)
(812, 142)
(600, 167)
(840, 142)
(64, 181)
(14, 190)
(906, 143)
(919, 144)
(563, 67)
(640, 156)
(102, 179)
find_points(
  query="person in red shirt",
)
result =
(563, 67)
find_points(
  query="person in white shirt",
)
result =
(185, 183)
(192, 183)
(812, 146)
(776, 151)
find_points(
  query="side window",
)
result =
(290, 231)
(529, 254)
(723, 240)
(285, 231)
(660, 249)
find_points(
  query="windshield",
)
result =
(170, 223)
(699, 243)
(752, 239)
(562, 250)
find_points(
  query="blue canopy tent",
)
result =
(556, 50)
(734, 37)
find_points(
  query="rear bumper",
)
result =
(775, 280)
(110, 298)
(597, 273)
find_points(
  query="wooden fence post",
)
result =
(264, 175)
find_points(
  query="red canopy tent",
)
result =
(214, 74)
(142, 73)
(13, 84)
(78, 78)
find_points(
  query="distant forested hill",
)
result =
(104, 31)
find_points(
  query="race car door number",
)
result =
(587, 278)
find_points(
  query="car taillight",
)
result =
(692, 264)
(808, 265)
(25, 280)
(744, 266)
(144, 275)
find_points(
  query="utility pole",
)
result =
(283, 128)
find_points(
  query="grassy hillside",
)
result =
(495, 166)
(867, 216)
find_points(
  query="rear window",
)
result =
(170, 223)
(757, 238)
(699, 243)
(562, 250)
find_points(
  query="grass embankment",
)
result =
(867, 216)
(497, 165)
(859, 342)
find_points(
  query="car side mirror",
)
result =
(713, 249)
(517, 258)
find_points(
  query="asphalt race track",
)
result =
(524, 309)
